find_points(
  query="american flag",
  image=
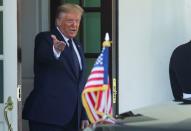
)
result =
(96, 96)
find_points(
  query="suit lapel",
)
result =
(80, 51)
(82, 57)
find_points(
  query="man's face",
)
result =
(69, 24)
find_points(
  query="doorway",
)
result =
(33, 18)
(38, 15)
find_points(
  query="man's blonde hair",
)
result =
(69, 8)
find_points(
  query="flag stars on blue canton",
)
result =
(100, 60)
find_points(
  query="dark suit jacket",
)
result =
(180, 71)
(57, 89)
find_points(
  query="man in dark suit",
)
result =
(180, 73)
(59, 68)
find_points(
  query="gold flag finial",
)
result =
(107, 43)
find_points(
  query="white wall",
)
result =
(149, 30)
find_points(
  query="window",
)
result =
(96, 22)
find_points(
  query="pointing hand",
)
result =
(58, 45)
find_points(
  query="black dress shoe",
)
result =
(187, 101)
(177, 100)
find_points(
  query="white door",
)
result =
(8, 63)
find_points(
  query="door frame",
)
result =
(10, 58)
(19, 73)
(115, 59)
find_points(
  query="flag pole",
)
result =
(106, 43)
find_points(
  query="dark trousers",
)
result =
(36, 126)
(71, 126)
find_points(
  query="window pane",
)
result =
(92, 32)
(90, 62)
(1, 32)
(1, 81)
(1, 2)
(92, 3)
(71, 1)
